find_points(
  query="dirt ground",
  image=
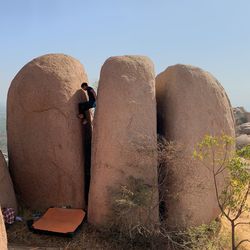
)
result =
(20, 238)
(86, 238)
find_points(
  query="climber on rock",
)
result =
(91, 103)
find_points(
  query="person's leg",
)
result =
(84, 106)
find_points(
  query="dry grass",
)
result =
(86, 238)
(242, 231)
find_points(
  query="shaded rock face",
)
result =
(124, 139)
(3, 237)
(7, 194)
(190, 104)
(45, 137)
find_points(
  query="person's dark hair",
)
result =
(84, 84)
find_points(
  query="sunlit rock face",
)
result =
(124, 140)
(191, 103)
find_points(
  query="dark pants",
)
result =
(84, 106)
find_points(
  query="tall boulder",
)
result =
(3, 237)
(7, 194)
(124, 143)
(191, 103)
(45, 137)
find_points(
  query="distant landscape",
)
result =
(3, 136)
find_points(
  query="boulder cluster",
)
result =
(49, 148)
(242, 127)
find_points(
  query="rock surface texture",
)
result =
(7, 194)
(3, 237)
(124, 141)
(45, 137)
(190, 104)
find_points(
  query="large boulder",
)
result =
(3, 237)
(7, 194)
(124, 159)
(191, 103)
(45, 137)
(242, 141)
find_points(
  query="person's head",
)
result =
(84, 85)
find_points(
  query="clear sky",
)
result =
(212, 34)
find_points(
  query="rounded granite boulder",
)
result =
(124, 144)
(191, 103)
(45, 137)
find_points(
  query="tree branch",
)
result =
(241, 243)
(217, 196)
(242, 223)
(221, 168)
(243, 203)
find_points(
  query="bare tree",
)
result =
(218, 156)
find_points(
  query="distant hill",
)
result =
(3, 135)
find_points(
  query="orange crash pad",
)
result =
(60, 220)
